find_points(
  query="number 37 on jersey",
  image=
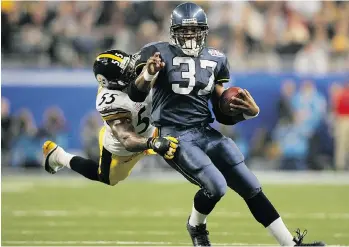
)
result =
(199, 74)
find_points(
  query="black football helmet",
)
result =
(189, 28)
(115, 69)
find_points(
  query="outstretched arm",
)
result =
(124, 131)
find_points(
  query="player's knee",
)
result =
(219, 189)
(105, 179)
(113, 183)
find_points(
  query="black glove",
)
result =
(164, 146)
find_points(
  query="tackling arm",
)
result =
(124, 131)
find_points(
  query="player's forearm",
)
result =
(145, 81)
(139, 89)
(142, 84)
(133, 142)
(125, 133)
(227, 120)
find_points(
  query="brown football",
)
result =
(225, 100)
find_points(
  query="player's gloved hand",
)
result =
(247, 104)
(164, 146)
(154, 64)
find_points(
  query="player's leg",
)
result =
(192, 162)
(55, 158)
(110, 170)
(194, 165)
(227, 157)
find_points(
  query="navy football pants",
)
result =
(212, 161)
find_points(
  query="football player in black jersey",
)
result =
(184, 75)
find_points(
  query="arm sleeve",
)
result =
(135, 94)
(223, 74)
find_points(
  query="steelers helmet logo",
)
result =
(102, 80)
(157, 144)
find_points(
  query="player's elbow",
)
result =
(136, 98)
(224, 119)
(135, 94)
(128, 144)
(133, 145)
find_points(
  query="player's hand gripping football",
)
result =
(164, 146)
(155, 64)
(246, 103)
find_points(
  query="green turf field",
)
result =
(78, 212)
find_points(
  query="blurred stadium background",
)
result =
(292, 56)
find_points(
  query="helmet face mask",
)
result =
(117, 85)
(190, 39)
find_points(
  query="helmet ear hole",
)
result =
(102, 80)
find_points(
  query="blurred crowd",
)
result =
(309, 133)
(22, 138)
(307, 36)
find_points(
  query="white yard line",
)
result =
(174, 214)
(30, 232)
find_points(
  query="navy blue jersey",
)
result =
(183, 88)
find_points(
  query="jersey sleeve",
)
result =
(108, 105)
(145, 53)
(223, 74)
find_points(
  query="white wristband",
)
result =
(149, 77)
(248, 116)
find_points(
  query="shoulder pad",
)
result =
(153, 44)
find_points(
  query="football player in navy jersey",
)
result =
(184, 75)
